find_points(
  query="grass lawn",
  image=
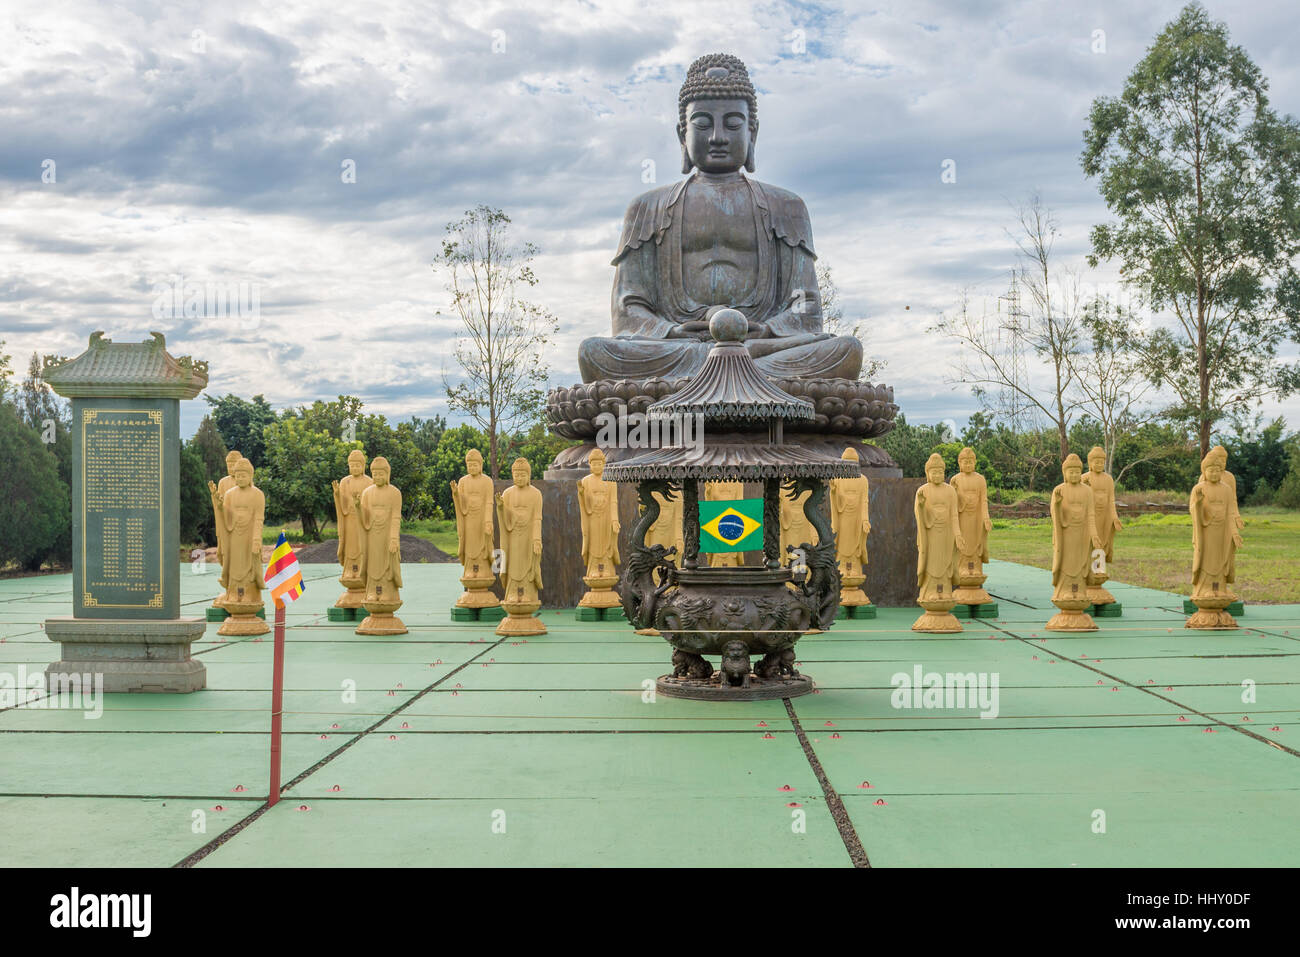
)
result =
(1155, 551)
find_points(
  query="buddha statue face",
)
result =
(474, 463)
(596, 463)
(1213, 472)
(232, 459)
(243, 473)
(521, 472)
(1097, 461)
(717, 136)
(1072, 470)
(934, 469)
(356, 463)
(380, 472)
(966, 461)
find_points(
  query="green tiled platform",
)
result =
(451, 746)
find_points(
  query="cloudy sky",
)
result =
(208, 141)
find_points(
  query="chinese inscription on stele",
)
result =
(122, 508)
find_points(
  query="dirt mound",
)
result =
(414, 551)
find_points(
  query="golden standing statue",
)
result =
(241, 510)
(226, 484)
(974, 522)
(725, 492)
(1215, 540)
(939, 546)
(472, 498)
(851, 524)
(1108, 523)
(519, 512)
(379, 512)
(598, 508)
(667, 528)
(1074, 536)
(351, 537)
(796, 530)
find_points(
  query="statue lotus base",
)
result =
(753, 688)
(938, 618)
(521, 620)
(380, 619)
(851, 593)
(970, 595)
(243, 620)
(601, 594)
(1072, 616)
(1211, 613)
(1096, 594)
(354, 597)
(477, 593)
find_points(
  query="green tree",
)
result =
(1205, 180)
(910, 445)
(503, 337)
(540, 446)
(301, 464)
(6, 370)
(241, 424)
(206, 443)
(35, 510)
(1257, 456)
(196, 522)
(447, 464)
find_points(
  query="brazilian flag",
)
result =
(735, 526)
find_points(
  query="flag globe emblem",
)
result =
(731, 526)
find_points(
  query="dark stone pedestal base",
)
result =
(1110, 610)
(494, 613)
(712, 689)
(986, 610)
(344, 614)
(133, 655)
(858, 612)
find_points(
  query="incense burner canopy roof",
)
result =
(730, 389)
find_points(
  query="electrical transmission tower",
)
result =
(1012, 333)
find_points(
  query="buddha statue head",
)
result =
(243, 473)
(596, 462)
(850, 454)
(521, 472)
(232, 457)
(966, 460)
(717, 115)
(934, 468)
(380, 471)
(1097, 460)
(1214, 463)
(474, 463)
(1072, 469)
(356, 462)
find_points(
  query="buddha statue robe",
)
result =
(519, 511)
(472, 499)
(1074, 530)
(938, 555)
(351, 535)
(598, 508)
(706, 242)
(381, 555)
(973, 520)
(1214, 539)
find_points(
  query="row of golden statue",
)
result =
(952, 529)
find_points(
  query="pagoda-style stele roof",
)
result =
(126, 369)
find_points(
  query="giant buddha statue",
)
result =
(717, 239)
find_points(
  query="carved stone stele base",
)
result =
(520, 619)
(601, 595)
(938, 618)
(380, 619)
(712, 689)
(1072, 616)
(1211, 614)
(243, 620)
(149, 657)
(477, 593)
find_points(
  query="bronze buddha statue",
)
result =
(717, 239)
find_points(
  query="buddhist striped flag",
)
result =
(283, 575)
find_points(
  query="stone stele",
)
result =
(126, 622)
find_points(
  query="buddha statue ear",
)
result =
(749, 156)
(687, 165)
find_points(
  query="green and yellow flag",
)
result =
(735, 526)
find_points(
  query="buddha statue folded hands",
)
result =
(717, 239)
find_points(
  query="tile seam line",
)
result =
(1155, 694)
(839, 813)
(232, 831)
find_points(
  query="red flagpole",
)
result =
(277, 697)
